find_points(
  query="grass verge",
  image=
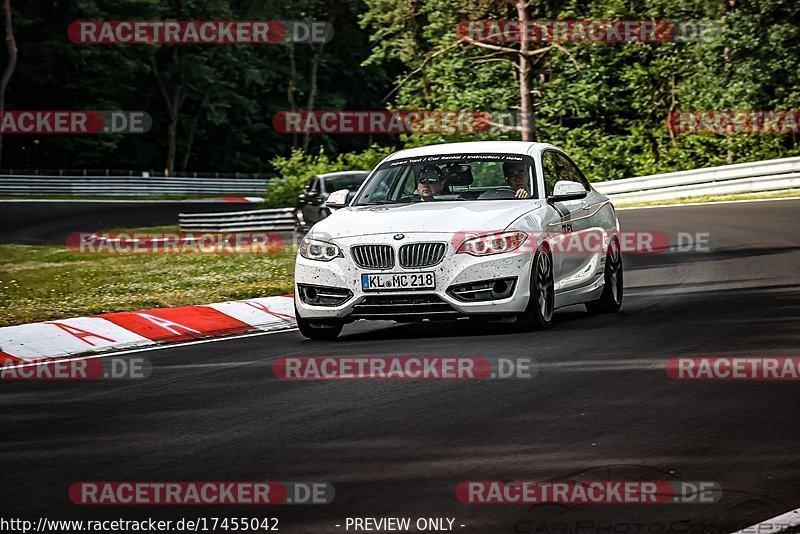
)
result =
(39, 283)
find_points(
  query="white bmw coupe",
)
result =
(504, 231)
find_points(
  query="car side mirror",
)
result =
(567, 190)
(337, 199)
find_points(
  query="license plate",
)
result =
(397, 281)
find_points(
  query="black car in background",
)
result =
(311, 206)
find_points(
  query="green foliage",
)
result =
(296, 169)
(606, 103)
(229, 93)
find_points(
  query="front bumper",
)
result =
(454, 270)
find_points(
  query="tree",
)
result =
(525, 55)
(11, 46)
(605, 103)
(415, 26)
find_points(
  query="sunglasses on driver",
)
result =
(430, 179)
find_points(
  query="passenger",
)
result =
(516, 174)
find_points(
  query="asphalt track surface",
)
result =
(601, 405)
(51, 222)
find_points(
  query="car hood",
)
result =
(447, 217)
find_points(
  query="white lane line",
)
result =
(706, 203)
(157, 347)
(774, 525)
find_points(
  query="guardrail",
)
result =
(238, 221)
(771, 175)
(756, 177)
(129, 186)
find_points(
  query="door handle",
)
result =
(585, 206)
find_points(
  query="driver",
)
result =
(516, 174)
(430, 182)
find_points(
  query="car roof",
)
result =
(341, 173)
(471, 147)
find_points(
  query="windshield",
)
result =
(351, 182)
(450, 177)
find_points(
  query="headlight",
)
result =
(486, 245)
(312, 249)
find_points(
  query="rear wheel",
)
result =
(539, 313)
(321, 333)
(610, 300)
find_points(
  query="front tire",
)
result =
(610, 300)
(319, 333)
(539, 313)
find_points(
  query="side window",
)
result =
(556, 167)
(385, 184)
(400, 184)
(571, 170)
(549, 171)
(409, 183)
